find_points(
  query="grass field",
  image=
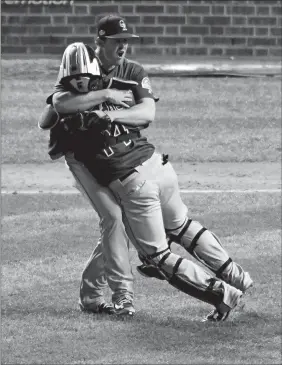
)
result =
(47, 241)
(48, 238)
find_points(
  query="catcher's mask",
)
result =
(79, 69)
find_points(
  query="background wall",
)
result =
(205, 28)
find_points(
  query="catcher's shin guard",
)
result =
(192, 279)
(205, 246)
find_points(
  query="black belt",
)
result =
(127, 175)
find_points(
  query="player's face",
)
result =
(115, 50)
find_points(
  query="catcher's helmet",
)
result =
(78, 66)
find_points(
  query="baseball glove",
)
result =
(83, 121)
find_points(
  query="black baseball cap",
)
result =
(113, 26)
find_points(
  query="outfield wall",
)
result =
(193, 28)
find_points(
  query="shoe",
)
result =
(124, 307)
(248, 282)
(150, 271)
(216, 316)
(103, 308)
(222, 312)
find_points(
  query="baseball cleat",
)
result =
(223, 311)
(124, 307)
(150, 271)
(103, 308)
(216, 316)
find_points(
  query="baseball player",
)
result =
(149, 195)
(79, 66)
(146, 186)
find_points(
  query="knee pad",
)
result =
(157, 261)
(187, 235)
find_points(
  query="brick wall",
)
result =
(205, 28)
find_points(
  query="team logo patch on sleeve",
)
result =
(146, 84)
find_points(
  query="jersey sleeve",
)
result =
(144, 87)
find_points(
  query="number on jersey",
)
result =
(117, 130)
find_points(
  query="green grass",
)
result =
(198, 119)
(47, 240)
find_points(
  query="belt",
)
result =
(127, 175)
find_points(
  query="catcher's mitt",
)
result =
(84, 121)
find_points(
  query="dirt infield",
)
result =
(202, 176)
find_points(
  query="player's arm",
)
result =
(143, 112)
(140, 114)
(67, 102)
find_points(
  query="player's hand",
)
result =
(84, 121)
(73, 122)
(119, 97)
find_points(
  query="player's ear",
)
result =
(99, 42)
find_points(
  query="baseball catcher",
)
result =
(146, 186)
